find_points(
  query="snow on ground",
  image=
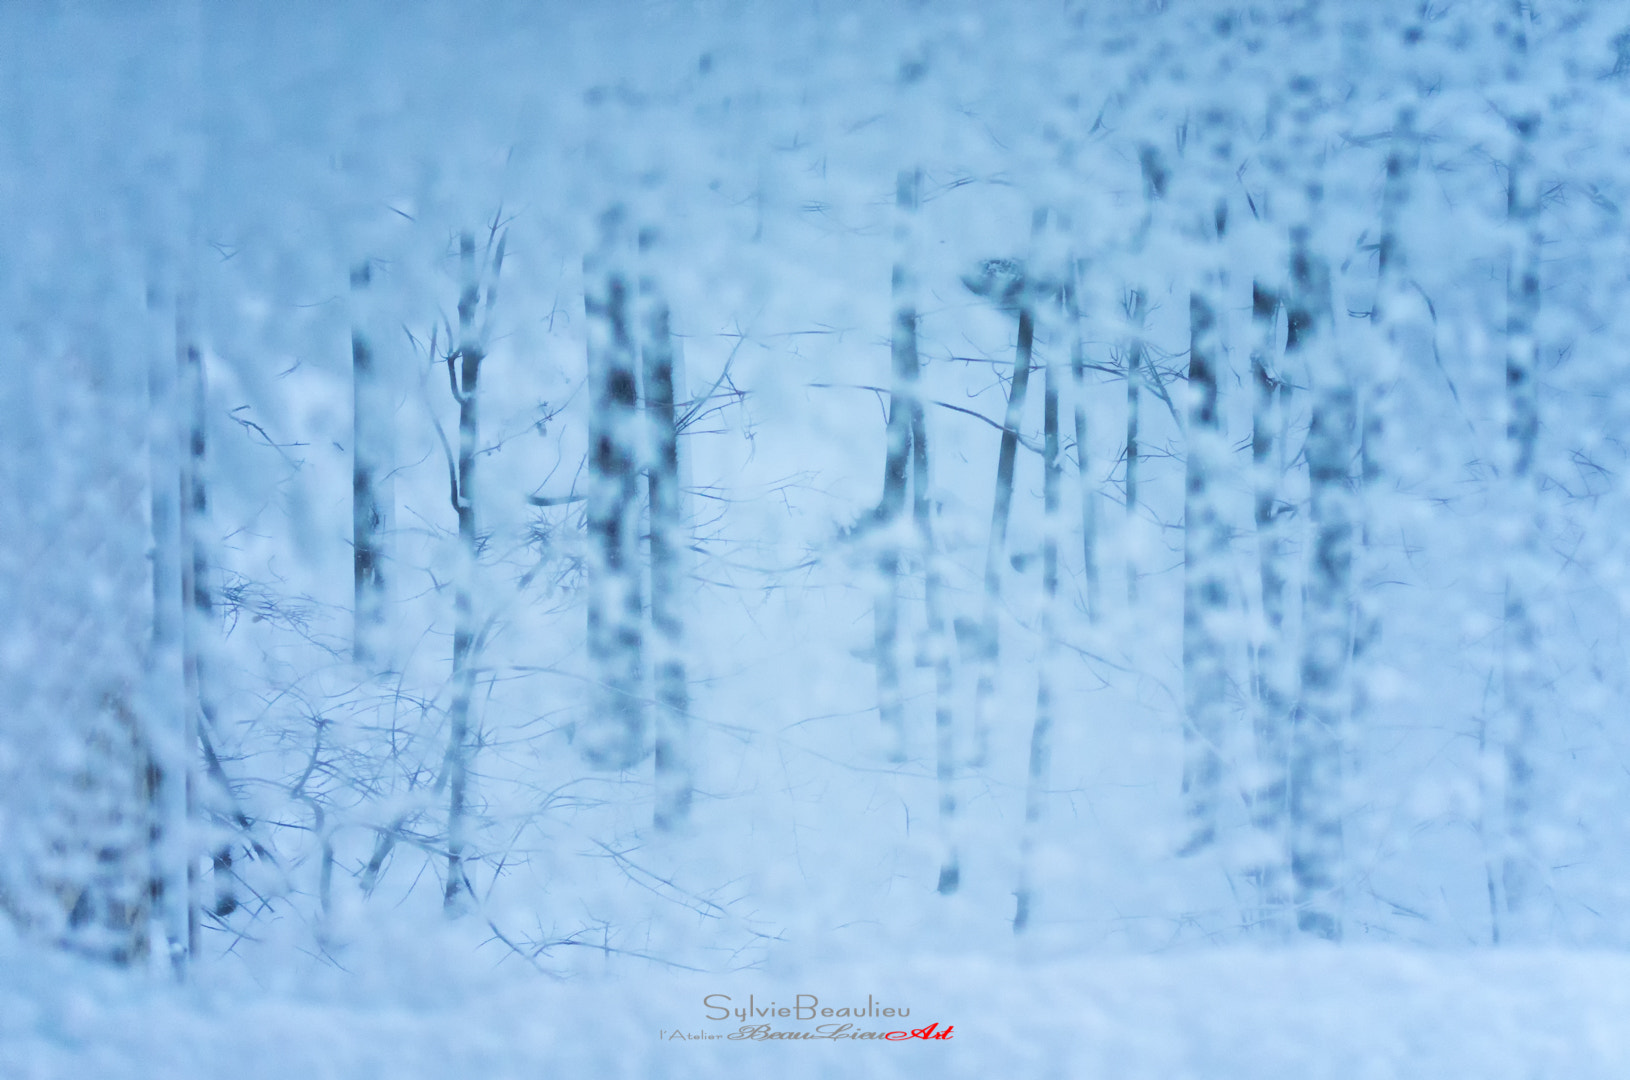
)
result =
(1352, 1014)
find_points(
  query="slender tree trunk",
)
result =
(1520, 869)
(1155, 177)
(1275, 681)
(613, 735)
(1015, 292)
(1136, 307)
(166, 691)
(1205, 569)
(199, 630)
(1376, 385)
(168, 722)
(936, 653)
(1316, 800)
(908, 440)
(668, 541)
(902, 400)
(370, 508)
(370, 478)
(886, 605)
(1041, 734)
(464, 373)
(181, 653)
(197, 599)
(1083, 469)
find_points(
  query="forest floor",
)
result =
(1354, 1014)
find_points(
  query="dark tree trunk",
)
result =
(673, 746)
(1083, 459)
(199, 628)
(1316, 802)
(1041, 733)
(1155, 178)
(1205, 588)
(1136, 306)
(167, 703)
(613, 735)
(464, 372)
(1275, 679)
(370, 468)
(936, 653)
(1376, 386)
(902, 402)
(1014, 293)
(1520, 868)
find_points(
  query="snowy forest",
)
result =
(613, 497)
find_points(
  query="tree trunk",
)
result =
(1041, 733)
(902, 400)
(201, 634)
(464, 372)
(1316, 801)
(1205, 569)
(1136, 307)
(1014, 295)
(370, 479)
(938, 656)
(199, 628)
(1275, 679)
(1378, 378)
(936, 647)
(1520, 869)
(668, 541)
(166, 691)
(1083, 469)
(613, 735)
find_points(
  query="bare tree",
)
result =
(613, 734)
(1275, 674)
(906, 411)
(1316, 801)
(166, 681)
(180, 660)
(1041, 733)
(936, 653)
(1005, 283)
(1386, 315)
(1520, 864)
(463, 374)
(199, 628)
(1205, 587)
(668, 542)
(1137, 307)
(1136, 364)
(370, 475)
(1088, 490)
(902, 400)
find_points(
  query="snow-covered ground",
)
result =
(1304, 1014)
